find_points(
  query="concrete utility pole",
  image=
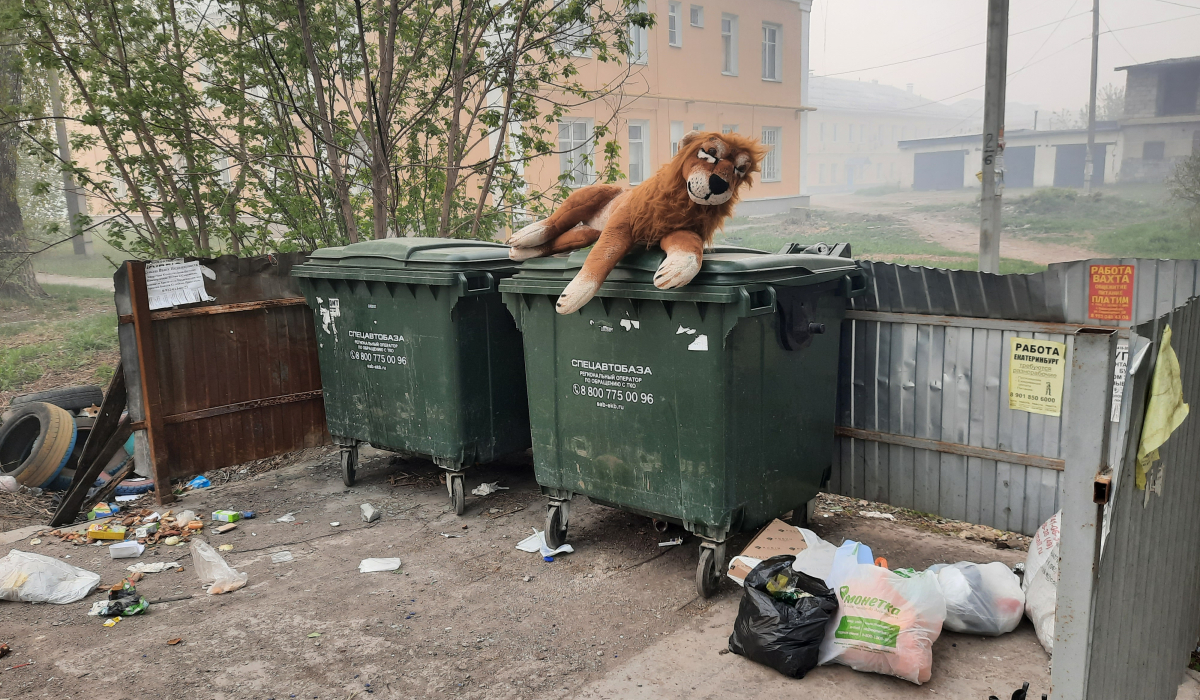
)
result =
(1088, 165)
(993, 136)
(81, 240)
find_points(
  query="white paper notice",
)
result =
(174, 282)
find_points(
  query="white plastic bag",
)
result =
(211, 568)
(817, 557)
(1041, 581)
(34, 578)
(887, 621)
(984, 599)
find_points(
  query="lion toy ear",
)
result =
(688, 138)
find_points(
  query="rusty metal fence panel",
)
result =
(225, 382)
(923, 417)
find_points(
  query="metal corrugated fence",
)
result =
(923, 409)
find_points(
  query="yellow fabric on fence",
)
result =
(1165, 411)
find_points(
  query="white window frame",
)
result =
(772, 52)
(570, 37)
(221, 165)
(696, 16)
(822, 170)
(676, 137)
(772, 164)
(822, 131)
(639, 40)
(674, 20)
(572, 150)
(639, 150)
(729, 44)
(697, 126)
(833, 173)
(729, 128)
(835, 130)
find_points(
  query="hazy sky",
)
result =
(849, 35)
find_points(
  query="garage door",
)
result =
(1068, 164)
(1018, 166)
(938, 171)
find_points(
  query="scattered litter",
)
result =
(526, 579)
(106, 531)
(145, 531)
(368, 566)
(128, 549)
(10, 484)
(185, 516)
(334, 524)
(4, 649)
(126, 499)
(152, 518)
(313, 635)
(173, 642)
(448, 535)
(112, 622)
(226, 516)
(286, 518)
(35, 542)
(172, 540)
(877, 515)
(671, 543)
(199, 483)
(33, 578)
(210, 567)
(536, 543)
(369, 513)
(485, 489)
(247, 514)
(102, 510)
(281, 557)
(226, 528)
(814, 556)
(158, 567)
(123, 599)
(225, 548)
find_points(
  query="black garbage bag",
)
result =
(782, 617)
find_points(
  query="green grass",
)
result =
(1161, 238)
(878, 190)
(62, 260)
(65, 334)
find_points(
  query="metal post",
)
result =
(993, 136)
(1088, 166)
(81, 240)
(1085, 437)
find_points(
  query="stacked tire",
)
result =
(36, 440)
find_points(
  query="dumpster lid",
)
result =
(411, 252)
(722, 265)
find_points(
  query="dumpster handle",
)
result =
(467, 289)
(854, 284)
(751, 298)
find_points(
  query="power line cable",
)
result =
(1118, 40)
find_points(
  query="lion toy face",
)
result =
(715, 169)
(678, 209)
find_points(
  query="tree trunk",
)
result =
(16, 264)
(453, 159)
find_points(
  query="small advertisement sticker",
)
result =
(1035, 376)
(1110, 292)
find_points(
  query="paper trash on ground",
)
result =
(814, 556)
(485, 489)
(129, 549)
(286, 518)
(536, 544)
(877, 515)
(143, 567)
(368, 566)
(281, 557)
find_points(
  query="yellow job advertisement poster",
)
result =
(1035, 376)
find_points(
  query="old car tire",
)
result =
(71, 398)
(36, 442)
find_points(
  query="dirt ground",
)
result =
(948, 232)
(467, 615)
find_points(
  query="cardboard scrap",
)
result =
(776, 538)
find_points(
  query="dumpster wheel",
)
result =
(349, 458)
(556, 526)
(708, 569)
(454, 484)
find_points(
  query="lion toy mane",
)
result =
(678, 209)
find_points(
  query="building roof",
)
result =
(1009, 135)
(837, 94)
(1162, 63)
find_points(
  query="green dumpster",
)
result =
(418, 352)
(710, 406)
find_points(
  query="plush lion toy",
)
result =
(678, 209)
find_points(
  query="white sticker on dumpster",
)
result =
(378, 350)
(612, 385)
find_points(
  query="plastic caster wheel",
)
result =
(349, 464)
(556, 528)
(708, 573)
(457, 499)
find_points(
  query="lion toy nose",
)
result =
(717, 184)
